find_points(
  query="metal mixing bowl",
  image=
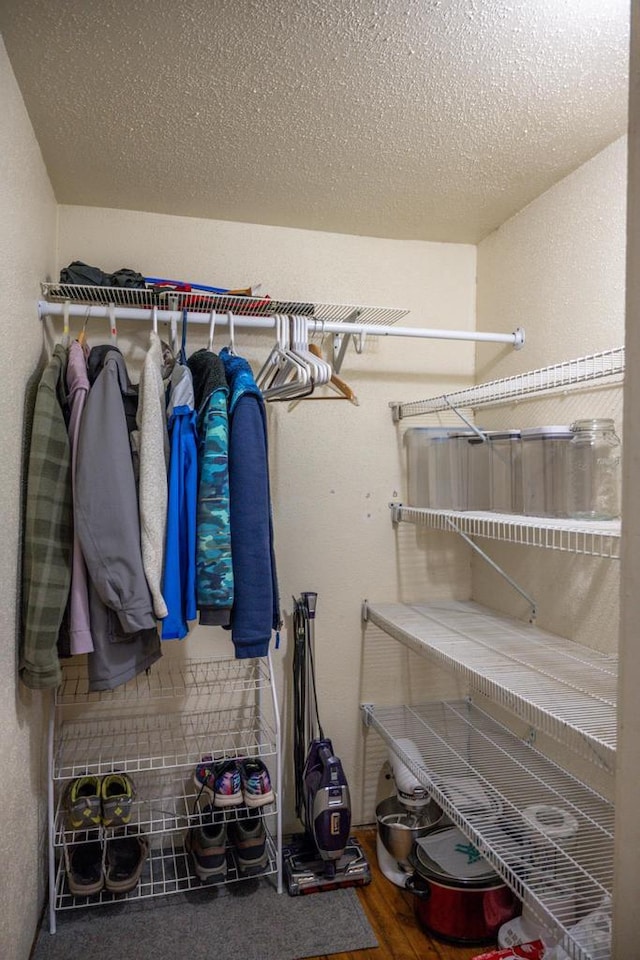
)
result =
(399, 826)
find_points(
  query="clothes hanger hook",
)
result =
(173, 335)
(82, 336)
(232, 348)
(212, 327)
(112, 323)
(65, 322)
(183, 343)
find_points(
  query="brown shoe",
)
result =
(124, 860)
(84, 867)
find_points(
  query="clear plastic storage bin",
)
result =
(475, 464)
(430, 467)
(505, 472)
(545, 470)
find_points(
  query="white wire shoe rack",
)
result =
(156, 729)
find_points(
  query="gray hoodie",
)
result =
(123, 624)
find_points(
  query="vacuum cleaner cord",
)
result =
(303, 667)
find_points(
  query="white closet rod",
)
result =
(101, 311)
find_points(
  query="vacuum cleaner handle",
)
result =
(310, 600)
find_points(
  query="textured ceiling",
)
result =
(424, 119)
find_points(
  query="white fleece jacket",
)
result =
(153, 450)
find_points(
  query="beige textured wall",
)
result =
(558, 270)
(27, 254)
(334, 466)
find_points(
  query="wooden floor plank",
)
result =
(390, 912)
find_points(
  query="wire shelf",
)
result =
(167, 870)
(159, 807)
(608, 366)
(203, 302)
(166, 680)
(560, 687)
(160, 742)
(592, 538)
(485, 779)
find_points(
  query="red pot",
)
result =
(459, 910)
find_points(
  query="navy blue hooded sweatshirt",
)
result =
(256, 605)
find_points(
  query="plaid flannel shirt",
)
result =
(48, 534)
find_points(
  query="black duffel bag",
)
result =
(82, 273)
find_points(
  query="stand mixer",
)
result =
(404, 817)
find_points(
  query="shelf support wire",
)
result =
(471, 426)
(341, 342)
(485, 556)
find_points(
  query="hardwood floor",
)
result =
(390, 912)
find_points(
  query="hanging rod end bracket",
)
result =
(396, 512)
(519, 338)
(367, 709)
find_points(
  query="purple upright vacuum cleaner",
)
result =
(325, 856)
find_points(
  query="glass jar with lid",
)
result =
(594, 471)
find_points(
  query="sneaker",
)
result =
(256, 783)
(250, 840)
(83, 803)
(207, 844)
(220, 781)
(117, 800)
(84, 867)
(124, 859)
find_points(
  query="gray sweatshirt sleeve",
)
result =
(108, 523)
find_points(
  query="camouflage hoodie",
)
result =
(214, 569)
